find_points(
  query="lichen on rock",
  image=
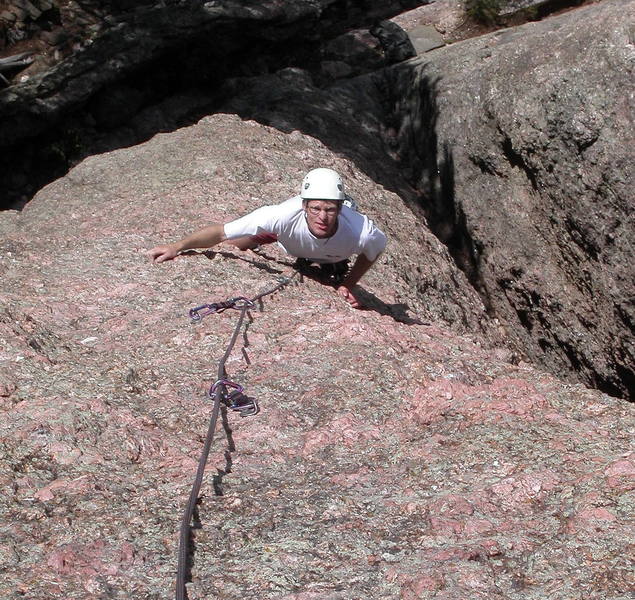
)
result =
(392, 457)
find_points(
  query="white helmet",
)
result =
(322, 184)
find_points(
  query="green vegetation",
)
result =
(483, 11)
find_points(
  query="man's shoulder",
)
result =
(292, 203)
(361, 226)
(355, 219)
(287, 208)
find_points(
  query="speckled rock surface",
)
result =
(392, 458)
(121, 71)
(521, 143)
(446, 16)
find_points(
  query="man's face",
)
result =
(321, 217)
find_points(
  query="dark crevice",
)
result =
(187, 81)
(583, 237)
(574, 358)
(178, 81)
(486, 167)
(549, 7)
(625, 380)
(524, 318)
(515, 159)
(428, 167)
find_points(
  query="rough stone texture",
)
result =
(425, 38)
(392, 459)
(364, 50)
(50, 29)
(522, 143)
(510, 7)
(132, 69)
(450, 19)
(446, 16)
(516, 148)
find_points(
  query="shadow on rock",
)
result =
(211, 255)
(398, 311)
(217, 480)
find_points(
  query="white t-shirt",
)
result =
(356, 233)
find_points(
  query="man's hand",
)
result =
(348, 295)
(203, 238)
(162, 253)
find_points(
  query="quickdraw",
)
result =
(197, 313)
(235, 400)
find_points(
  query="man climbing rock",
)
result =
(318, 226)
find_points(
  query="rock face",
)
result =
(456, 20)
(392, 458)
(515, 148)
(127, 58)
(521, 143)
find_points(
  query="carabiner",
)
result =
(243, 404)
(235, 400)
(196, 315)
(241, 302)
(225, 383)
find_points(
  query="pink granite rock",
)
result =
(392, 457)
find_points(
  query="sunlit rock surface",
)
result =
(521, 143)
(515, 148)
(392, 458)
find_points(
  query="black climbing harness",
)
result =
(328, 273)
(236, 400)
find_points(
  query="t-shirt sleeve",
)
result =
(263, 219)
(373, 241)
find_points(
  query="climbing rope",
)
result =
(235, 400)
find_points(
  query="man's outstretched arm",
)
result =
(203, 238)
(358, 270)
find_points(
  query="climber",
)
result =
(319, 226)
